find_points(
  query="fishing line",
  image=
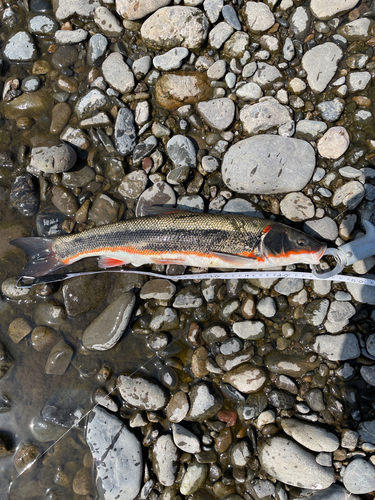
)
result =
(28, 467)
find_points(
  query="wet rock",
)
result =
(240, 453)
(107, 22)
(133, 184)
(367, 431)
(214, 333)
(359, 29)
(43, 338)
(92, 101)
(297, 207)
(83, 294)
(31, 105)
(45, 431)
(259, 17)
(246, 378)
(158, 289)
(314, 398)
(43, 25)
(185, 440)
(316, 311)
(324, 11)
(217, 113)
(118, 74)
(20, 47)
(104, 210)
(52, 157)
(368, 374)
(205, 402)
(194, 478)
(176, 89)
(320, 64)
(6, 360)
(24, 196)
(334, 143)
(50, 314)
(312, 437)
(125, 133)
(82, 482)
(60, 117)
(106, 330)
(118, 474)
(178, 407)
(66, 407)
(158, 194)
(59, 359)
(165, 460)
(164, 318)
(25, 456)
(175, 26)
(267, 307)
(171, 60)
(181, 151)
(358, 80)
(359, 476)
(142, 393)
(49, 222)
(96, 48)
(300, 22)
(291, 464)
(293, 365)
(132, 9)
(250, 165)
(64, 200)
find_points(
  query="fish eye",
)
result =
(301, 242)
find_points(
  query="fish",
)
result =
(176, 237)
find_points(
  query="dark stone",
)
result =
(24, 196)
(5, 404)
(6, 360)
(253, 407)
(142, 150)
(65, 56)
(6, 159)
(40, 6)
(125, 132)
(84, 293)
(281, 399)
(49, 222)
(66, 408)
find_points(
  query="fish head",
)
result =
(282, 245)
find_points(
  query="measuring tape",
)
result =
(204, 276)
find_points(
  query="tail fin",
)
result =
(43, 257)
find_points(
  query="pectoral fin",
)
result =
(105, 262)
(234, 260)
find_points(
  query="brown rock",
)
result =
(43, 338)
(68, 83)
(32, 105)
(178, 407)
(82, 482)
(223, 440)
(18, 329)
(60, 117)
(64, 200)
(246, 378)
(198, 362)
(59, 359)
(25, 455)
(177, 89)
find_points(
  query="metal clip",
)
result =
(350, 252)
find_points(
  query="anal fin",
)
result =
(105, 262)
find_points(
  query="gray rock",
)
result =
(287, 286)
(291, 464)
(205, 402)
(133, 184)
(359, 477)
(331, 110)
(311, 436)
(213, 9)
(268, 164)
(358, 80)
(366, 431)
(249, 330)
(20, 47)
(300, 22)
(158, 289)
(266, 74)
(118, 74)
(288, 49)
(165, 460)
(52, 158)
(66, 407)
(142, 393)
(92, 101)
(67, 37)
(249, 92)
(337, 347)
(106, 330)
(310, 130)
(350, 195)
(370, 344)
(185, 440)
(181, 151)
(297, 207)
(334, 492)
(240, 454)
(141, 66)
(125, 133)
(320, 64)
(239, 205)
(325, 228)
(217, 113)
(368, 374)
(158, 194)
(175, 26)
(326, 10)
(170, 60)
(267, 114)
(107, 22)
(217, 70)
(267, 307)
(359, 29)
(43, 25)
(117, 456)
(259, 17)
(230, 15)
(83, 8)
(193, 202)
(362, 293)
(219, 34)
(135, 9)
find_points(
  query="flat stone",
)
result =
(291, 464)
(106, 330)
(325, 228)
(249, 92)
(20, 47)
(219, 34)
(326, 10)
(246, 378)
(133, 184)
(267, 114)
(288, 286)
(334, 143)
(142, 393)
(217, 113)
(178, 407)
(185, 440)
(266, 74)
(350, 194)
(67, 37)
(135, 9)
(125, 133)
(297, 207)
(249, 330)
(337, 347)
(173, 90)
(359, 29)
(158, 194)
(118, 74)
(181, 151)
(320, 64)
(230, 15)
(268, 164)
(205, 402)
(107, 22)
(259, 17)
(117, 455)
(175, 26)
(359, 477)
(357, 81)
(83, 8)
(165, 460)
(52, 157)
(171, 60)
(311, 436)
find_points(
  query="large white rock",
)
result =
(267, 164)
(258, 17)
(320, 64)
(324, 10)
(118, 74)
(267, 114)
